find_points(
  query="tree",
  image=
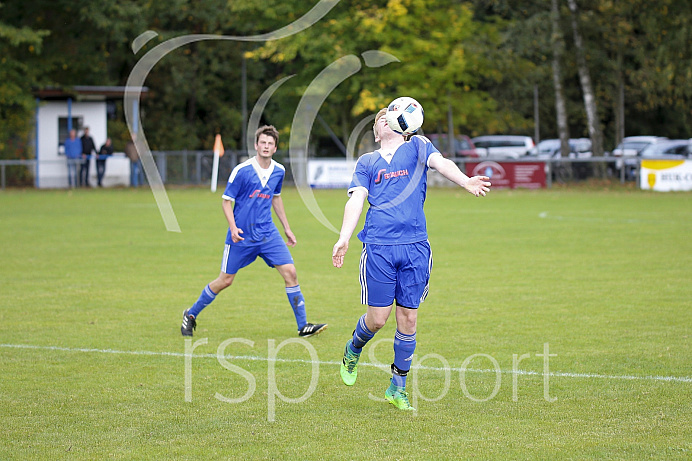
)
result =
(444, 56)
(18, 45)
(560, 110)
(590, 103)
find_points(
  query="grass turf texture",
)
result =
(88, 277)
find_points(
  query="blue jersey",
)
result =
(73, 148)
(253, 189)
(396, 193)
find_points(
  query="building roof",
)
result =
(83, 92)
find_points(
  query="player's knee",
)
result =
(406, 319)
(290, 276)
(407, 327)
(224, 281)
(378, 323)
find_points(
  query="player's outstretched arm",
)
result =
(352, 212)
(477, 185)
(278, 205)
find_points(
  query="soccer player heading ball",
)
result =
(396, 258)
(255, 188)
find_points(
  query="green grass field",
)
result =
(94, 366)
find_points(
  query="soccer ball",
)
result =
(404, 115)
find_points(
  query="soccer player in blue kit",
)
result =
(396, 258)
(255, 187)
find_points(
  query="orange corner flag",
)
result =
(218, 146)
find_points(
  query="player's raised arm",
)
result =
(476, 185)
(352, 212)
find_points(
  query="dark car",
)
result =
(463, 147)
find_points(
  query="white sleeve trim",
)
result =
(353, 189)
(431, 156)
(226, 197)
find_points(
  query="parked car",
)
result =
(550, 148)
(502, 146)
(674, 148)
(463, 146)
(578, 148)
(632, 145)
(629, 149)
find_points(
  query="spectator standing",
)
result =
(105, 151)
(88, 147)
(135, 163)
(73, 152)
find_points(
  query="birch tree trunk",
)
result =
(560, 107)
(594, 123)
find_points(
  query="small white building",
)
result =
(60, 109)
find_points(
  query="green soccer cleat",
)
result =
(398, 397)
(349, 365)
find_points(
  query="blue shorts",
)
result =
(274, 252)
(395, 272)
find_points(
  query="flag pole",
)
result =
(218, 153)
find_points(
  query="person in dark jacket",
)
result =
(105, 151)
(88, 147)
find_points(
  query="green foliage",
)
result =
(480, 57)
(445, 58)
(17, 45)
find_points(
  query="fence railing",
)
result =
(195, 167)
(29, 165)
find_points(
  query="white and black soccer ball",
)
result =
(404, 115)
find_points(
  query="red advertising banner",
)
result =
(529, 175)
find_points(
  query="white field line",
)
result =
(557, 374)
(546, 215)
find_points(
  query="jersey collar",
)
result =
(263, 174)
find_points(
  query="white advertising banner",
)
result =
(330, 173)
(666, 175)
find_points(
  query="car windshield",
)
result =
(494, 143)
(633, 145)
(664, 148)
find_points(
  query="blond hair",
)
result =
(379, 115)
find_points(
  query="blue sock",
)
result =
(204, 300)
(361, 336)
(295, 297)
(404, 347)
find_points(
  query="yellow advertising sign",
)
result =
(666, 175)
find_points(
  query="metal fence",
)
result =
(195, 167)
(25, 168)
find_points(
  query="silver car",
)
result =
(550, 148)
(503, 146)
(674, 148)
